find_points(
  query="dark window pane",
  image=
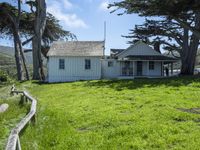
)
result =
(151, 65)
(61, 64)
(110, 63)
(87, 64)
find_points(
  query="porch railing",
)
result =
(127, 71)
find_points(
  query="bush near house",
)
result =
(132, 114)
(3, 77)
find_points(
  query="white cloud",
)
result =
(104, 6)
(68, 19)
(67, 4)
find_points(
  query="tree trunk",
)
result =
(40, 23)
(184, 53)
(19, 45)
(36, 58)
(188, 63)
(19, 54)
(191, 59)
(189, 52)
(18, 60)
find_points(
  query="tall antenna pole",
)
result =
(104, 38)
(104, 31)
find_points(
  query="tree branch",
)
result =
(27, 41)
(185, 25)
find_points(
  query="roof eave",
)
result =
(73, 56)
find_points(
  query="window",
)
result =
(87, 64)
(110, 63)
(61, 64)
(151, 65)
(127, 64)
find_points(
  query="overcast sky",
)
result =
(85, 18)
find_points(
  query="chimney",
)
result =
(157, 46)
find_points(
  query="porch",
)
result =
(145, 69)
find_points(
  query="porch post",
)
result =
(133, 68)
(147, 68)
(120, 66)
(161, 68)
(172, 68)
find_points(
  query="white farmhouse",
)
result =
(81, 60)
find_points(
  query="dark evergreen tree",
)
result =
(52, 32)
(184, 15)
(10, 24)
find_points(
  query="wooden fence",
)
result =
(14, 140)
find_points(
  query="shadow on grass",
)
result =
(53, 83)
(141, 83)
(133, 84)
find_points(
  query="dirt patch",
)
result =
(86, 129)
(191, 110)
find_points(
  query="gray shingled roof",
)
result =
(76, 48)
(114, 52)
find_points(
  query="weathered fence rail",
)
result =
(13, 140)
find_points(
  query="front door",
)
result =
(139, 68)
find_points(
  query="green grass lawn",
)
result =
(11, 117)
(138, 114)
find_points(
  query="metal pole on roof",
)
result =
(104, 39)
(104, 30)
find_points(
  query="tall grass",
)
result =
(132, 114)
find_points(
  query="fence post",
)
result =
(21, 102)
(18, 143)
(33, 120)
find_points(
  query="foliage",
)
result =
(178, 10)
(22, 25)
(53, 31)
(3, 77)
(164, 31)
(11, 22)
(5, 22)
(122, 114)
(157, 7)
(180, 22)
(7, 65)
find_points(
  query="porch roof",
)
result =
(151, 57)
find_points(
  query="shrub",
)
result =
(3, 76)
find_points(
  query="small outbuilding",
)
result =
(75, 60)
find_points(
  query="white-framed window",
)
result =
(110, 64)
(87, 64)
(61, 64)
(151, 65)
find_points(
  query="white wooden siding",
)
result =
(115, 71)
(110, 72)
(74, 69)
(156, 71)
(145, 68)
(146, 71)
